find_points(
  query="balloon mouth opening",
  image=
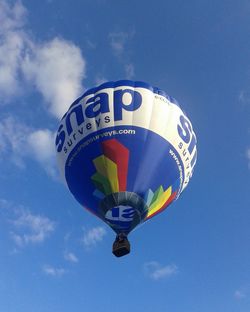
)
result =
(121, 245)
(123, 211)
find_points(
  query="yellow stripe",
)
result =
(99, 163)
(160, 202)
(108, 168)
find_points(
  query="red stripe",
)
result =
(119, 154)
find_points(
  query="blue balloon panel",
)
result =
(126, 151)
(120, 165)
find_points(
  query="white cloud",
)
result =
(93, 236)
(18, 141)
(13, 43)
(56, 68)
(11, 18)
(156, 271)
(41, 148)
(52, 271)
(30, 228)
(71, 257)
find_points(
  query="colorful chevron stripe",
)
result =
(159, 200)
(111, 168)
(111, 177)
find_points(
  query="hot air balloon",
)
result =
(126, 151)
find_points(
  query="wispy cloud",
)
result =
(156, 271)
(18, 141)
(55, 68)
(239, 294)
(99, 80)
(53, 271)
(119, 42)
(7, 209)
(242, 292)
(248, 156)
(13, 43)
(70, 257)
(93, 236)
(5, 204)
(244, 97)
(29, 228)
(25, 227)
(13, 136)
(129, 71)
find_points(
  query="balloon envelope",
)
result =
(126, 151)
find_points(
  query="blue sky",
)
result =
(57, 257)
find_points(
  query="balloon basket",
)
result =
(121, 246)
